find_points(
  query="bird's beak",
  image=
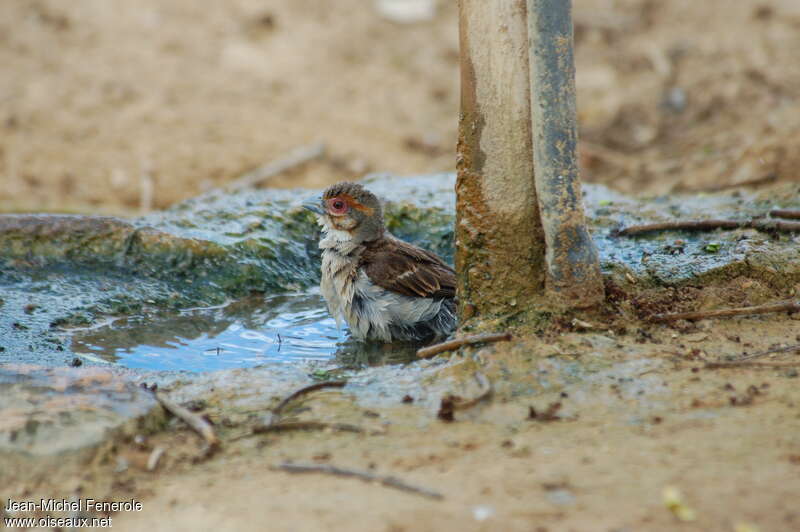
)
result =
(313, 206)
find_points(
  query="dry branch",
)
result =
(749, 360)
(785, 306)
(278, 410)
(690, 225)
(774, 350)
(197, 423)
(450, 345)
(273, 423)
(785, 213)
(759, 224)
(388, 481)
(753, 364)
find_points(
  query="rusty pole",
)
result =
(573, 270)
(499, 239)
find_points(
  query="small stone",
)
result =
(482, 512)
(406, 11)
(675, 100)
(122, 465)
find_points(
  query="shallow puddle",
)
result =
(283, 328)
(250, 332)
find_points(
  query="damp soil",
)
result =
(671, 98)
(583, 431)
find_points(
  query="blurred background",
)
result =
(126, 106)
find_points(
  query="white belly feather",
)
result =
(380, 309)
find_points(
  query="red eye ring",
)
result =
(337, 206)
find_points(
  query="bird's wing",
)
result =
(406, 269)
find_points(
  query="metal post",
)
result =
(573, 270)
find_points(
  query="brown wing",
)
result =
(400, 267)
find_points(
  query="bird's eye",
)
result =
(338, 206)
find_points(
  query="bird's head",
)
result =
(351, 209)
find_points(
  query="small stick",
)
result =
(753, 364)
(748, 360)
(690, 225)
(785, 213)
(388, 481)
(298, 157)
(785, 306)
(787, 349)
(306, 425)
(278, 410)
(451, 345)
(759, 224)
(198, 424)
(775, 225)
(155, 456)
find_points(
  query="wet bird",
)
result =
(384, 288)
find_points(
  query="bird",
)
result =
(387, 290)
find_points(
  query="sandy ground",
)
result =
(99, 97)
(126, 106)
(136, 105)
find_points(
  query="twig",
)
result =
(197, 423)
(760, 224)
(451, 403)
(388, 481)
(787, 349)
(155, 456)
(273, 423)
(748, 360)
(785, 306)
(278, 410)
(753, 364)
(306, 425)
(298, 157)
(785, 213)
(691, 225)
(450, 345)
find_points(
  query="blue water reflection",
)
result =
(258, 330)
